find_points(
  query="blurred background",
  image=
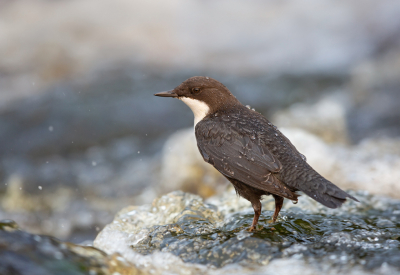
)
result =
(81, 134)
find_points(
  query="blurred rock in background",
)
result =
(82, 136)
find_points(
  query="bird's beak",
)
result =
(167, 94)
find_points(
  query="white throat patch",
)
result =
(199, 108)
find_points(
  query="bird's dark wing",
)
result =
(241, 157)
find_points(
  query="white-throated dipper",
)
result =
(249, 151)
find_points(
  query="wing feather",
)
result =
(241, 157)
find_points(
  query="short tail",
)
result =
(325, 192)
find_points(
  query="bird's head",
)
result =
(203, 95)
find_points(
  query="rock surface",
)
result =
(22, 253)
(179, 233)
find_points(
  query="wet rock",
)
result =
(167, 216)
(23, 253)
(180, 233)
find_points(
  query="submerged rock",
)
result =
(23, 253)
(181, 234)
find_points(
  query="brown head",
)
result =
(203, 95)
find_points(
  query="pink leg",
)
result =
(278, 207)
(257, 213)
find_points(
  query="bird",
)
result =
(249, 150)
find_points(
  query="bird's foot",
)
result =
(254, 228)
(251, 229)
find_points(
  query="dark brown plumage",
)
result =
(249, 151)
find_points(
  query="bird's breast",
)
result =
(199, 108)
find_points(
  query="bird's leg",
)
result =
(257, 213)
(278, 207)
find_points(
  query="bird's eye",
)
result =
(196, 91)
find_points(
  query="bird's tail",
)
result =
(325, 192)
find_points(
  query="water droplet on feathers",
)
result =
(228, 169)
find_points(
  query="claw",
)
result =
(251, 229)
(254, 228)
